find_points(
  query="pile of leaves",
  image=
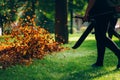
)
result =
(26, 43)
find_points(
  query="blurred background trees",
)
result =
(43, 12)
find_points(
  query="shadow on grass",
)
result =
(89, 74)
(92, 73)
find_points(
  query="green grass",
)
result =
(67, 65)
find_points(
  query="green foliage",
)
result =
(78, 6)
(45, 14)
(8, 9)
(45, 21)
(12, 10)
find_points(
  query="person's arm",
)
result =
(89, 7)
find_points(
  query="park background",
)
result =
(54, 18)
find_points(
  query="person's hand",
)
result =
(117, 8)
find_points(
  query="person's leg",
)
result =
(111, 29)
(100, 35)
(112, 46)
(103, 41)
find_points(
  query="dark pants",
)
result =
(111, 30)
(101, 26)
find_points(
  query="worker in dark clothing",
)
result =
(101, 25)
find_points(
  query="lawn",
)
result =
(67, 65)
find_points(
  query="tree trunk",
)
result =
(61, 29)
(71, 16)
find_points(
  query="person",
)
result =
(101, 22)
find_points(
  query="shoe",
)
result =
(97, 65)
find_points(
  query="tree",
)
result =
(61, 29)
(7, 12)
(13, 10)
(71, 15)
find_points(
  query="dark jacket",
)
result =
(100, 6)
